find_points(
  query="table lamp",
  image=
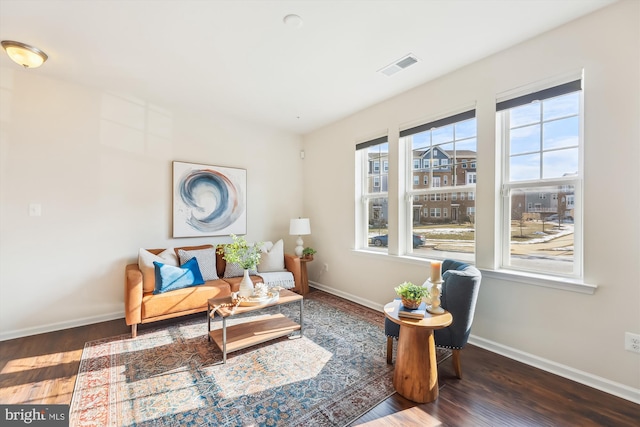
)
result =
(299, 227)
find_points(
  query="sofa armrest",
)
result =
(292, 264)
(133, 294)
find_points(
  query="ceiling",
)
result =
(239, 58)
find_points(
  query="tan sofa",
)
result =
(145, 307)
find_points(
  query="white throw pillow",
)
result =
(272, 257)
(206, 261)
(145, 263)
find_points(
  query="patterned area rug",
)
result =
(172, 376)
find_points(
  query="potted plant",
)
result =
(246, 256)
(411, 294)
(307, 253)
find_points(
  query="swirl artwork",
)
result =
(208, 200)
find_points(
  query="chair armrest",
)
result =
(292, 264)
(133, 294)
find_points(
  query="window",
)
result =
(425, 180)
(416, 180)
(373, 206)
(541, 140)
(471, 177)
(416, 163)
(447, 145)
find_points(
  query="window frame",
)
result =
(436, 187)
(363, 194)
(507, 185)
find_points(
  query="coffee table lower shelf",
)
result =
(253, 332)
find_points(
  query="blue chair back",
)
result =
(459, 296)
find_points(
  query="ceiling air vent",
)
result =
(399, 65)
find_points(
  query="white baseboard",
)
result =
(19, 333)
(350, 297)
(599, 383)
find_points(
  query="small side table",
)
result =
(415, 375)
(304, 279)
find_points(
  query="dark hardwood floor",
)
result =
(494, 391)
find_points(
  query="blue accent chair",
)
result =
(459, 295)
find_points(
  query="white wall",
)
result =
(581, 333)
(100, 166)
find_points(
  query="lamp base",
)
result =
(299, 247)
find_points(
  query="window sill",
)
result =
(566, 284)
(405, 258)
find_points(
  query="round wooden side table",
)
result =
(415, 375)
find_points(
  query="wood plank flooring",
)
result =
(494, 391)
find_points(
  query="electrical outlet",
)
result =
(326, 267)
(632, 342)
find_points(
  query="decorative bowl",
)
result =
(253, 300)
(411, 304)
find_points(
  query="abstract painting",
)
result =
(208, 200)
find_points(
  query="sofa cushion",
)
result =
(206, 261)
(191, 248)
(145, 263)
(233, 269)
(185, 300)
(170, 278)
(272, 257)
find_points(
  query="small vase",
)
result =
(246, 285)
(411, 304)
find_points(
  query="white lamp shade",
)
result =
(300, 227)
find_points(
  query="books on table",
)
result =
(417, 313)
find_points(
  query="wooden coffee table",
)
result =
(415, 375)
(251, 332)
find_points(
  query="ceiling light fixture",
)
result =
(293, 21)
(23, 54)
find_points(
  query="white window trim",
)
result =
(504, 248)
(544, 280)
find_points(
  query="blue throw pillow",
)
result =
(170, 278)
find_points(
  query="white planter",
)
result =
(246, 286)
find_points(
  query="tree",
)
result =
(517, 214)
